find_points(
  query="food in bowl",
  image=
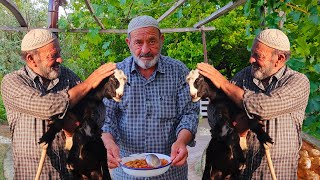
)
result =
(140, 170)
(142, 163)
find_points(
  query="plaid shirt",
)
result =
(152, 113)
(282, 106)
(29, 106)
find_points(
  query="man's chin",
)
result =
(54, 75)
(146, 64)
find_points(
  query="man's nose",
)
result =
(252, 60)
(145, 48)
(59, 60)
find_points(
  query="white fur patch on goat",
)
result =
(69, 143)
(191, 78)
(224, 130)
(122, 78)
(243, 143)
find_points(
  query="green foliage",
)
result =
(10, 52)
(34, 14)
(3, 117)
(228, 47)
(186, 47)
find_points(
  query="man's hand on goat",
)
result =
(99, 74)
(213, 74)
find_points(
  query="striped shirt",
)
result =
(29, 105)
(152, 113)
(281, 106)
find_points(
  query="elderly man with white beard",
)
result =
(156, 113)
(272, 92)
(39, 92)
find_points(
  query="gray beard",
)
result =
(51, 74)
(146, 64)
(259, 73)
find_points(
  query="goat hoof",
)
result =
(267, 145)
(68, 144)
(242, 167)
(70, 167)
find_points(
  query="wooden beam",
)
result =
(88, 4)
(204, 43)
(171, 10)
(230, 6)
(174, 30)
(108, 31)
(13, 8)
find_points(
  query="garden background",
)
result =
(228, 46)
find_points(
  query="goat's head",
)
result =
(112, 87)
(200, 86)
(122, 80)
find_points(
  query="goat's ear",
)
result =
(188, 78)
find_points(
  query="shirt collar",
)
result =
(31, 74)
(280, 73)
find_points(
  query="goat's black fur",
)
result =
(224, 156)
(87, 142)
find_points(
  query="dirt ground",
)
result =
(4, 130)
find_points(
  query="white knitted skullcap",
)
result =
(274, 38)
(37, 38)
(141, 22)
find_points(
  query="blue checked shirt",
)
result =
(152, 113)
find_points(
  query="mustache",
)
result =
(56, 65)
(145, 55)
(255, 65)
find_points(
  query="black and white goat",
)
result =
(87, 158)
(224, 155)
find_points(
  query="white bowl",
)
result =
(145, 172)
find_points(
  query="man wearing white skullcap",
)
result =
(269, 91)
(157, 115)
(38, 92)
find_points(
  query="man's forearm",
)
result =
(107, 138)
(184, 136)
(234, 92)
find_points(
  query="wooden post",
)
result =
(203, 34)
(282, 14)
(53, 14)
